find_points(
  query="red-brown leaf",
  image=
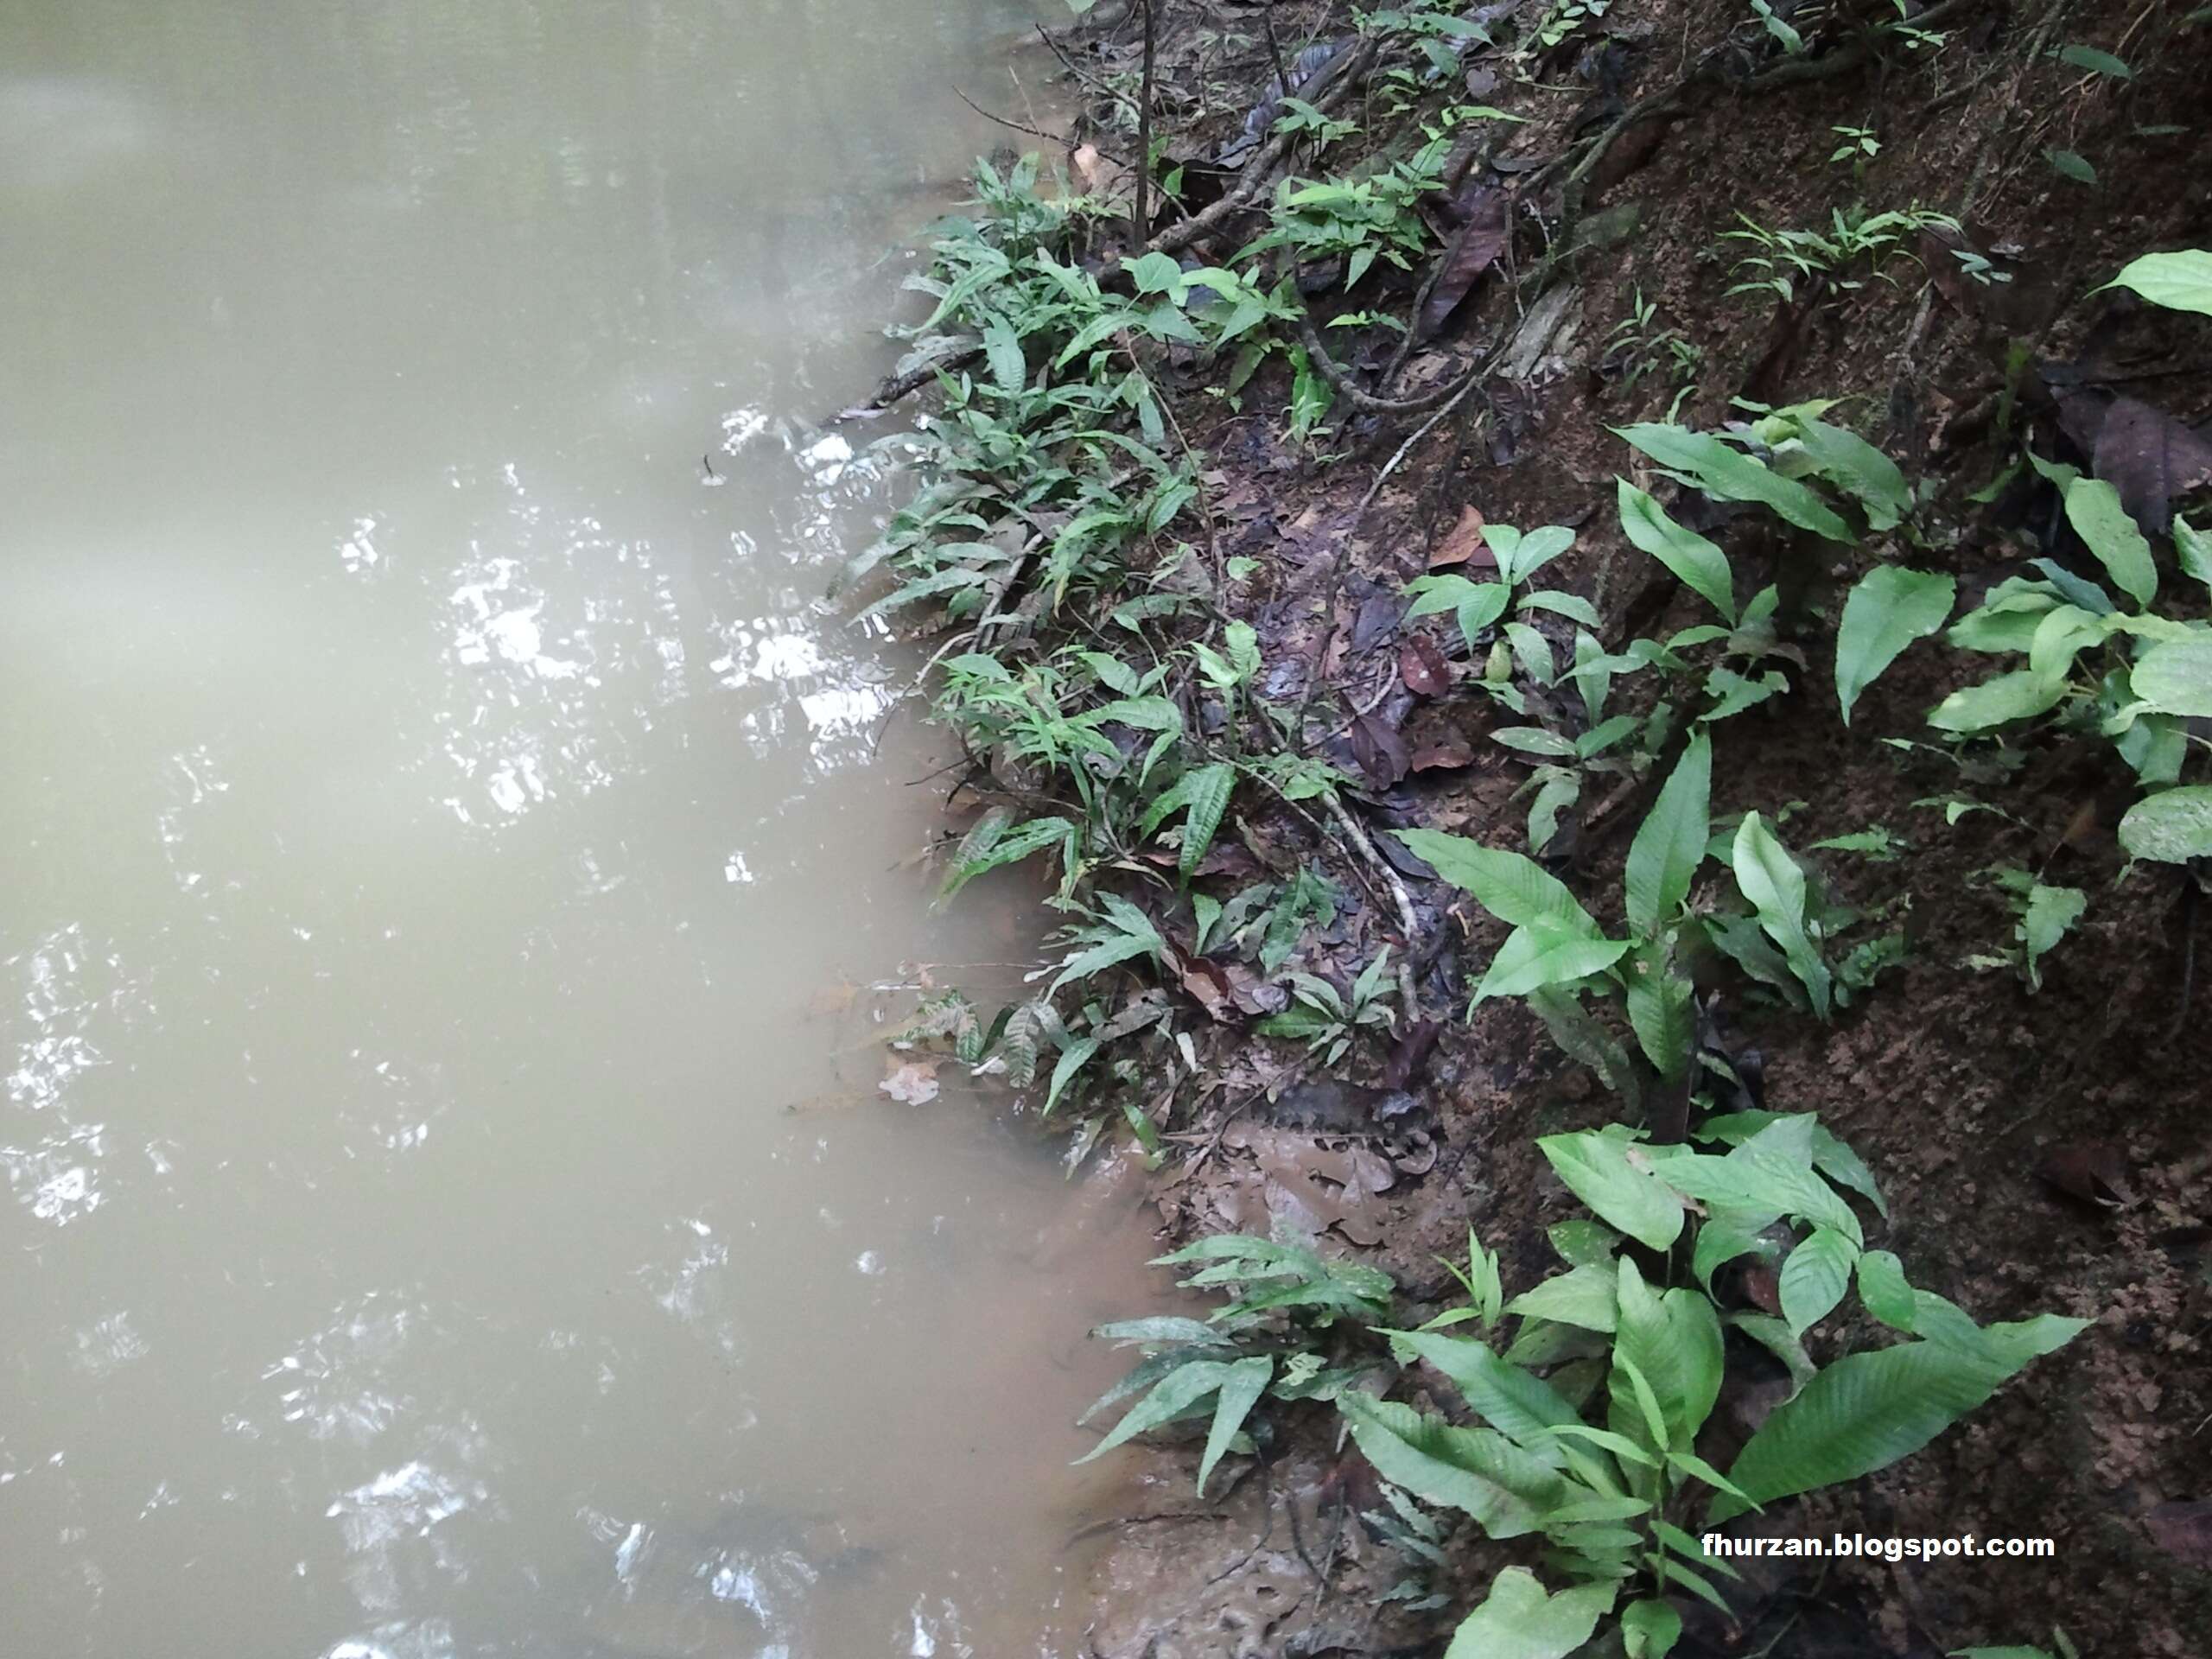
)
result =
(1421, 666)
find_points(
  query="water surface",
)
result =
(442, 848)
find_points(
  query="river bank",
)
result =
(1741, 326)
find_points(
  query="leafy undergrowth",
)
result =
(1606, 600)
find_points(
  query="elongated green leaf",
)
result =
(2102, 63)
(1539, 955)
(2175, 676)
(1005, 846)
(1700, 566)
(1203, 793)
(1181, 1388)
(1002, 349)
(1476, 1470)
(1515, 889)
(2094, 508)
(1241, 1389)
(2180, 280)
(1670, 843)
(2171, 826)
(1815, 1276)
(1597, 1170)
(2020, 695)
(1660, 1012)
(1518, 1620)
(1731, 475)
(1886, 612)
(1771, 880)
(1673, 1340)
(1519, 1404)
(1862, 1414)
(1859, 468)
(1071, 1060)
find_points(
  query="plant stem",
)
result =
(1144, 124)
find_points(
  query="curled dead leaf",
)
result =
(1422, 667)
(2093, 1171)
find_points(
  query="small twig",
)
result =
(1399, 898)
(1143, 211)
(900, 386)
(1008, 121)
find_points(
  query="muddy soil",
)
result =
(2040, 1151)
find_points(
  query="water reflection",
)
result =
(451, 1207)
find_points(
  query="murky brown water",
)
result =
(436, 825)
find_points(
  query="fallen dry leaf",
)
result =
(2183, 1530)
(2093, 1171)
(1471, 251)
(1421, 666)
(914, 1083)
(1448, 755)
(1464, 544)
(2150, 458)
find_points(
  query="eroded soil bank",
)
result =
(1579, 265)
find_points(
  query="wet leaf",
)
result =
(914, 1083)
(2175, 676)
(2183, 1530)
(2172, 827)
(2093, 1171)
(2150, 457)
(1380, 752)
(1421, 666)
(1471, 251)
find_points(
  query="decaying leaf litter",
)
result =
(1492, 377)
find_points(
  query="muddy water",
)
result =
(442, 845)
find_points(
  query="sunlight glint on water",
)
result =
(443, 848)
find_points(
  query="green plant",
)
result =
(1857, 246)
(1356, 221)
(1615, 1497)
(1264, 1342)
(1860, 145)
(1324, 1018)
(2066, 1649)
(2045, 916)
(1637, 347)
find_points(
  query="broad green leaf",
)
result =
(1774, 1336)
(1769, 878)
(1585, 1039)
(1728, 1232)
(2180, 280)
(2094, 508)
(1597, 1170)
(1583, 1243)
(1584, 1297)
(2049, 914)
(1476, 1470)
(1518, 1620)
(1700, 566)
(1538, 954)
(1071, 1060)
(1882, 1286)
(1670, 843)
(2193, 550)
(1815, 1276)
(1005, 846)
(2018, 696)
(1515, 889)
(2171, 826)
(2175, 676)
(1650, 1630)
(1520, 557)
(1886, 612)
(1241, 1387)
(1156, 273)
(1728, 473)
(1861, 1415)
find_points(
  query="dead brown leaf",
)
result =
(1464, 544)
(1421, 666)
(1448, 754)
(2150, 458)
(2093, 1171)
